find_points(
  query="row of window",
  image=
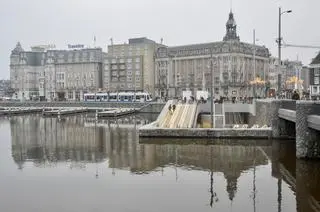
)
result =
(116, 67)
(123, 73)
(60, 76)
(124, 78)
(122, 85)
(122, 60)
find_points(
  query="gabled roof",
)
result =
(316, 60)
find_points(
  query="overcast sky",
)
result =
(178, 22)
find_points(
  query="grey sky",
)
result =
(178, 22)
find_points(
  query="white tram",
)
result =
(118, 97)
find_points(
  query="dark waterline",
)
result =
(77, 164)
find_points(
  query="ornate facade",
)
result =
(53, 74)
(188, 67)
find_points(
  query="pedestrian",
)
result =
(173, 108)
(295, 96)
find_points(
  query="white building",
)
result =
(55, 74)
(188, 67)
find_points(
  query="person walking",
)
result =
(170, 107)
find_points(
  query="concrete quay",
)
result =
(152, 131)
(280, 118)
(63, 111)
(19, 111)
(102, 109)
(143, 107)
(165, 126)
(116, 112)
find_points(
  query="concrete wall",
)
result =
(267, 114)
(228, 107)
(307, 139)
(205, 133)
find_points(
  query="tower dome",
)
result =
(231, 29)
(17, 49)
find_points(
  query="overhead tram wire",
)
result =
(300, 46)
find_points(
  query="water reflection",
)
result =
(80, 140)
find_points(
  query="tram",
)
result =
(118, 97)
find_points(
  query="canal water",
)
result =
(78, 164)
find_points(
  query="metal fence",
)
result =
(315, 109)
(288, 104)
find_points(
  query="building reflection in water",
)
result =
(79, 140)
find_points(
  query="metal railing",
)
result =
(288, 104)
(315, 109)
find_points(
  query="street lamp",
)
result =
(279, 47)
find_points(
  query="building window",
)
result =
(129, 60)
(314, 89)
(138, 59)
(216, 80)
(138, 66)
(316, 80)
(121, 60)
(137, 72)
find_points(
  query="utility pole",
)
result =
(254, 63)
(279, 49)
(211, 85)
(279, 53)
(169, 65)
